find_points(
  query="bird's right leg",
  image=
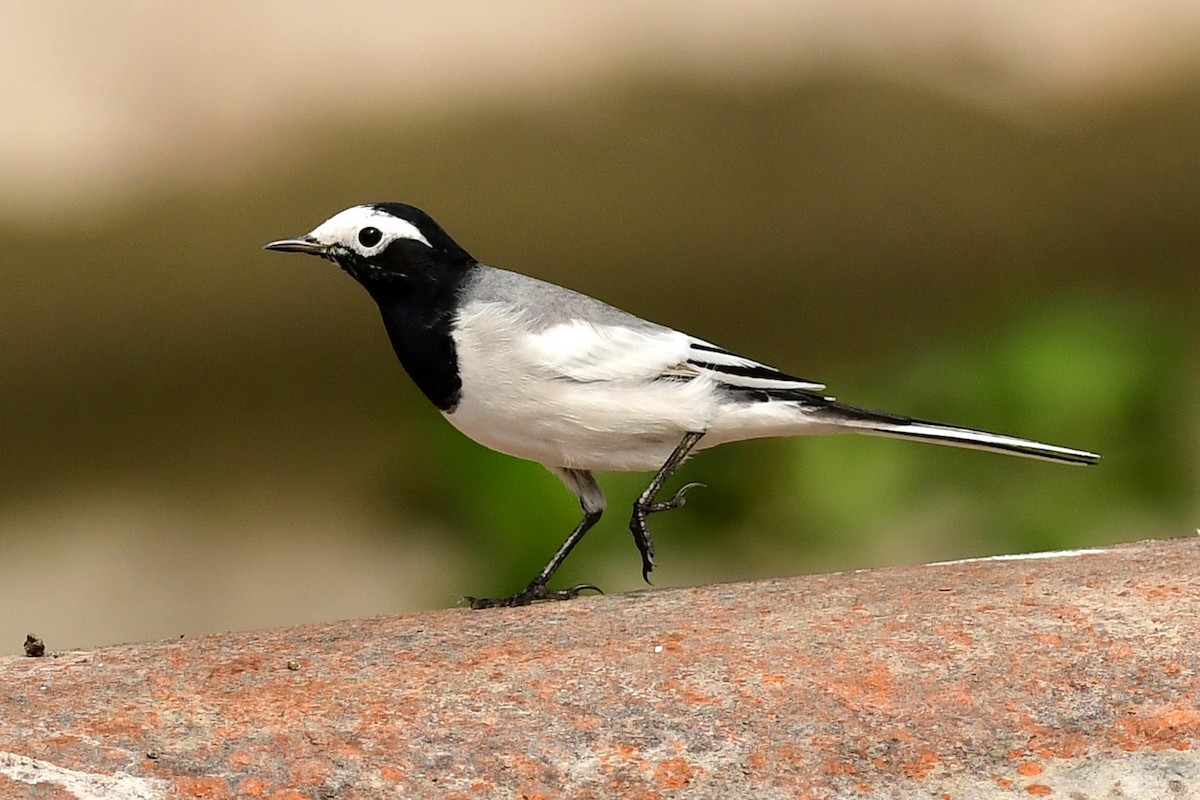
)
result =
(591, 499)
(646, 504)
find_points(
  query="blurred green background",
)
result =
(985, 215)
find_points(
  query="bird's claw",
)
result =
(678, 501)
(641, 537)
(534, 593)
(641, 531)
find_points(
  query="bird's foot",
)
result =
(641, 531)
(533, 593)
(641, 537)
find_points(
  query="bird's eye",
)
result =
(369, 237)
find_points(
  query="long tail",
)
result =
(878, 423)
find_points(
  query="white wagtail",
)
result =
(544, 373)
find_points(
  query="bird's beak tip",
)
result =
(302, 244)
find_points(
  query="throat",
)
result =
(419, 320)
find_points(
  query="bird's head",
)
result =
(381, 242)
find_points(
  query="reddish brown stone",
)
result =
(988, 678)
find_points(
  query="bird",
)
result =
(547, 374)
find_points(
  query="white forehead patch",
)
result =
(344, 228)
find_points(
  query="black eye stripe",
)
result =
(369, 237)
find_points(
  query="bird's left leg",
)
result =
(591, 499)
(645, 504)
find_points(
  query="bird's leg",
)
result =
(591, 498)
(645, 504)
(537, 590)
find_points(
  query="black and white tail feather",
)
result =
(763, 383)
(920, 430)
(753, 382)
(551, 375)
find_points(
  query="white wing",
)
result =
(587, 352)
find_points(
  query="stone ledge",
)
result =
(1067, 674)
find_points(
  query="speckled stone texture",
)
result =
(1071, 676)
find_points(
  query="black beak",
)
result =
(304, 244)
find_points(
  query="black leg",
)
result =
(592, 500)
(646, 504)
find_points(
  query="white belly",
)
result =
(605, 427)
